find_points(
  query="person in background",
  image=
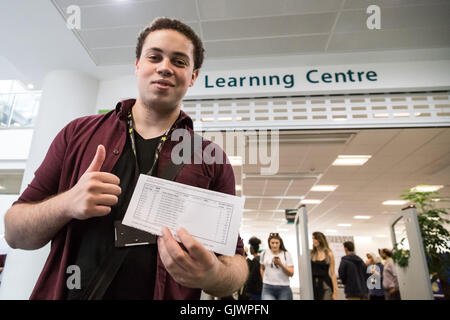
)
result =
(276, 268)
(390, 280)
(253, 287)
(375, 267)
(352, 272)
(322, 266)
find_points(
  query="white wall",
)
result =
(112, 91)
(15, 144)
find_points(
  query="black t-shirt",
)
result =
(95, 239)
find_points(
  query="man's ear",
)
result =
(136, 63)
(194, 77)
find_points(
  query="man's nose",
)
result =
(164, 68)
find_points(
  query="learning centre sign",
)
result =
(322, 80)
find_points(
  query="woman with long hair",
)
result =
(376, 269)
(276, 268)
(323, 269)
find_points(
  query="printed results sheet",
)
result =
(212, 218)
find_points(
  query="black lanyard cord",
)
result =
(158, 148)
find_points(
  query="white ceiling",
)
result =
(250, 28)
(237, 34)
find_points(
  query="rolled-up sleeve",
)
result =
(46, 178)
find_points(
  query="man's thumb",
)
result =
(99, 158)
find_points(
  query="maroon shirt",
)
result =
(69, 156)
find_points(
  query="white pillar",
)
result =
(66, 95)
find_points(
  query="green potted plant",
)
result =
(435, 236)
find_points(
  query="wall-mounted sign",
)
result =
(329, 79)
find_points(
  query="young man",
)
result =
(80, 192)
(352, 272)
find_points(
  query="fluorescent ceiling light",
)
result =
(238, 187)
(395, 202)
(362, 217)
(425, 188)
(207, 119)
(344, 225)
(235, 161)
(311, 201)
(323, 188)
(348, 160)
(330, 231)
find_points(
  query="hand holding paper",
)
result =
(212, 218)
(196, 268)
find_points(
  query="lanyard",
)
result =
(133, 145)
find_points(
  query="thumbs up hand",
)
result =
(95, 192)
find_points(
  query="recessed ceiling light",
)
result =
(348, 160)
(235, 161)
(30, 86)
(344, 225)
(207, 119)
(323, 188)
(394, 202)
(425, 188)
(238, 187)
(330, 231)
(311, 201)
(362, 217)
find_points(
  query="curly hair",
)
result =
(173, 24)
(254, 243)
